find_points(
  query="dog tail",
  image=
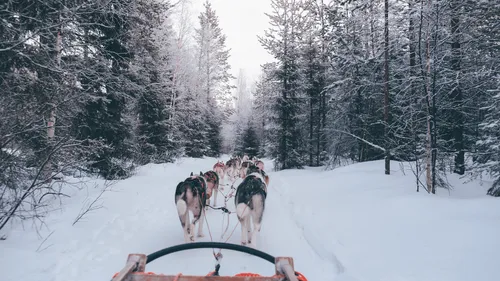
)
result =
(242, 210)
(181, 207)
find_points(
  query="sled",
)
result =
(135, 268)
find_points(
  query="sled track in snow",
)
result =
(331, 257)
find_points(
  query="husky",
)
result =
(250, 204)
(219, 168)
(212, 179)
(233, 166)
(259, 164)
(244, 167)
(190, 195)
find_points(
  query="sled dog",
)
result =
(245, 158)
(233, 166)
(259, 164)
(244, 167)
(190, 195)
(219, 168)
(250, 204)
(212, 179)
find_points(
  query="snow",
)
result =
(352, 223)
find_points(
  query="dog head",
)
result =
(259, 164)
(258, 172)
(219, 165)
(253, 169)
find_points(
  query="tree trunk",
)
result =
(414, 99)
(386, 90)
(51, 122)
(208, 75)
(321, 145)
(458, 126)
(312, 97)
(428, 167)
(311, 145)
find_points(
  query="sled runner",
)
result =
(135, 268)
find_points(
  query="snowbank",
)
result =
(376, 227)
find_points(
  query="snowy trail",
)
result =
(350, 224)
(140, 217)
(299, 198)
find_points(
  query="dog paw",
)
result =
(249, 241)
(191, 238)
(201, 235)
(244, 243)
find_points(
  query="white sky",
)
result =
(241, 21)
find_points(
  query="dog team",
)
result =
(194, 193)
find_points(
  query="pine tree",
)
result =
(249, 142)
(488, 159)
(283, 43)
(193, 126)
(214, 84)
(313, 50)
(102, 119)
(265, 118)
(151, 70)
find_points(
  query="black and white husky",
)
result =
(250, 204)
(190, 195)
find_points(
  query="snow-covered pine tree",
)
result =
(284, 44)
(488, 159)
(35, 74)
(265, 118)
(249, 141)
(102, 120)
(151, 69)
(214, 80)
(38, 64)
(470, 64)
(314, 53)
(184, 74)
(242, 113)
(191, 121)
(481, 72)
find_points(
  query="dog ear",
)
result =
(191, 174)
(201, 173)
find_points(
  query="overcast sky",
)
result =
(241, 21)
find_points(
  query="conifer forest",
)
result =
(100, 87)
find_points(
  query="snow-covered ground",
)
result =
(352, 223)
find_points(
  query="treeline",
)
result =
(365, 80)
(100, 87)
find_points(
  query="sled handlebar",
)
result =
(208, 245)
(135, 267)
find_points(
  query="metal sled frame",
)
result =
(135, 268)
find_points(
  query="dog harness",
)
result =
(261, 178)
(203, 183)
